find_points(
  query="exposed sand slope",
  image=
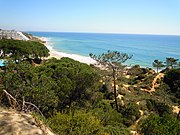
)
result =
(176, 109)
(14, 123)
(154, 83)
(159, 76)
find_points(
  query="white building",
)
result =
(12, 34)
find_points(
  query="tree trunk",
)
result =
(115, 96)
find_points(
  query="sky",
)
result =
(98, 16)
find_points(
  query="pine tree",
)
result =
(112, 60)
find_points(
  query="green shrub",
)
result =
(130, 113)
(57, 84)
(79, 123)
(111, 119)
(172, 78)
(158, 107)
(119, 129)
(149, 105)
(156, 125)
(104, 111)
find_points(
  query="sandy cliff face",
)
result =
(15, 123)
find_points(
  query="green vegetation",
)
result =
(78, 123)
(172, 79)
(62, 82)
(113, 61)
(160, 125)
(130, 113)
(171, 62)
(158, 64)
(19, 50)
(63, 90)
(76, 98)
(158, 107)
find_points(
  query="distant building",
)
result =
(12, 34)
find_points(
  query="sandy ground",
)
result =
(15, 123)
(154, 83)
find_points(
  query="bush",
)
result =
(130, 113)
(158, 107)
(172, 78)
(106, 113)
(149, 105)
(91, 123)
(111, 119)
(141, 76)
(135, 70)
(156, 125)
(79, 123)
(119, 129)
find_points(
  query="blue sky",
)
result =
(104, 16)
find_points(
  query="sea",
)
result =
(144, 48)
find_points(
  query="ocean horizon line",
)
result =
(113, 33)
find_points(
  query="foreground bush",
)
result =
(156, 125)
(79, 123)
(111, 119)
(85, 123)
(130, 113)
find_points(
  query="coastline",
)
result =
(145, 49)
(58, 55)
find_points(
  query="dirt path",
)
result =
(134, 126)
(154, 83)
(15, 123)
(159, 76)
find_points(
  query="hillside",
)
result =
(78, 99)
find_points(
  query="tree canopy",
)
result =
(19, 50)
(158, 64)
(171, 62)
(56, 84)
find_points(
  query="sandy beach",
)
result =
(59, 55)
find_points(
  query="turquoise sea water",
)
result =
(144, 48)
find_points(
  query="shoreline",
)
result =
(58, 55)
(83, 59)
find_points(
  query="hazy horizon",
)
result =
(104, 33)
